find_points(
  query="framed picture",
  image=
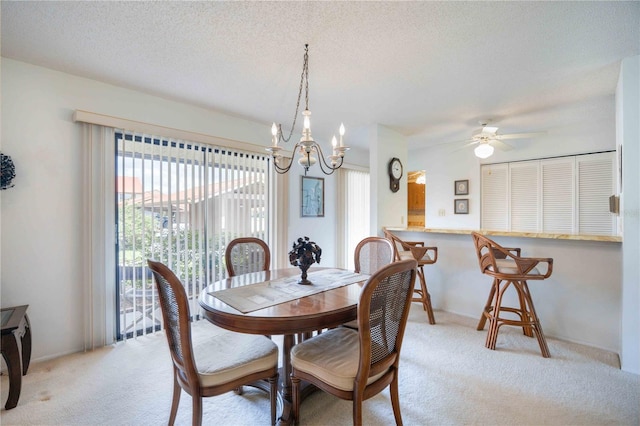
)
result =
(312, 197)
(461, 206)
(462, 187)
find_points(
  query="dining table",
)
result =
(297, 318)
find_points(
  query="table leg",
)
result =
(11, 355)
(26, 346)
(287, 344)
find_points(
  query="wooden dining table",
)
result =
(292, 319)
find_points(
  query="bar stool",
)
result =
(424, 256)
(509, 269)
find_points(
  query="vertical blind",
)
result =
(353, 214)
(180, 203)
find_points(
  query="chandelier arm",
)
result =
(323, 161)
(283, 170)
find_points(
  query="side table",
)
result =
(15, 326)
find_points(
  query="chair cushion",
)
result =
(227, 356)
(508, 266)
(404, 255)
(332, 357)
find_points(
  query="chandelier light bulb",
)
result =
(307, 120)
(484, 150)
(334, 142)
(274, 132)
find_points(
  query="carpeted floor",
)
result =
(448, 377)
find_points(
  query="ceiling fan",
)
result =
(487, 138)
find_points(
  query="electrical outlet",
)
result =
(441, 212)
(401, 220)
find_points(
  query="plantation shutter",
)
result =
(595, 183)
(524, 196)
(567, 195)
(495, 197)
(558, 195)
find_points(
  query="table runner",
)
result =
(257, 296)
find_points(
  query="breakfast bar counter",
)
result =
(580, 302)
(489, 233)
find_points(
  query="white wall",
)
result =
(576, 129)
(582, 300)
(41, 216)
(628, 133)
(42, 248)
(387, 208)
(318, 229)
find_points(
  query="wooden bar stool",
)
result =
(424, 256)
(509, 269)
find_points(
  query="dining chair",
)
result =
(358, 364)
(424, 256)
(371, 254)
(245, 255)
(221, 363)
(509, 270)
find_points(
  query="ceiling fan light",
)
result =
(484, 150)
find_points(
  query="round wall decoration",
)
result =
(7, 171)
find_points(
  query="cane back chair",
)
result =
(245, 255)
(219, 364)
(358, 364)
(371, 254)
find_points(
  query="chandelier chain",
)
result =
(304, 80)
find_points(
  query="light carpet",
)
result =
(447, 377)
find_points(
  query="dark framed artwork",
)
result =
(461, 206)
(462, 187)
(312, 197)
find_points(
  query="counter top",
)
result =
(605, 238)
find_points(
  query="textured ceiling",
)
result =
(429, 70)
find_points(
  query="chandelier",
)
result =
(307, 148)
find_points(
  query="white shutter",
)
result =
(523, 181)
(595, 183)
(495, 198)
(558, 195)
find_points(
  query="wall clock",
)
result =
(395, 173)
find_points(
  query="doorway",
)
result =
(416, 198)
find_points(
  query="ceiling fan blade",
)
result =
(501, 145)
(490, 129)
(466, 145)
(451, 143)
(520, 135)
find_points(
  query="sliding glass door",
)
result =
(180, 203)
